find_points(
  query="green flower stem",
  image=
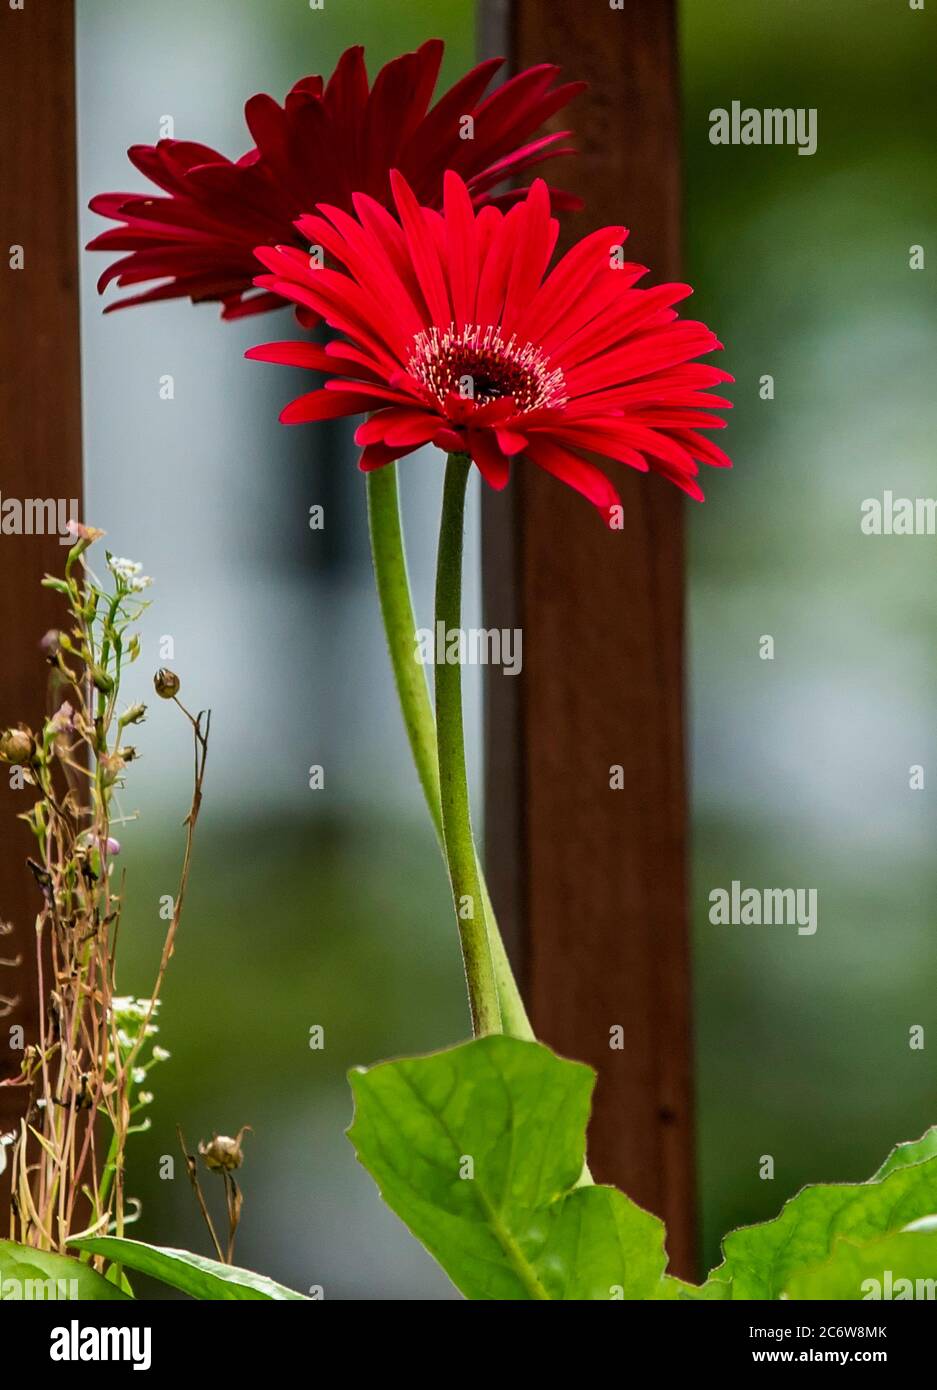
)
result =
(450, 747)
(393, 591)
(393, 586)
(514, 1020)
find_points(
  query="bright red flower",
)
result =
(451, 335)
(327, 142)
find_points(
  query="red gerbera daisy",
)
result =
(327, 142)
(453, 336)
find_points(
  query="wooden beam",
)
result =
(592, 882)
(40, 434)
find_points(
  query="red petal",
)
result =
(323, 405)
(492, 464)
(584, 477)
(463, 248)
(423, 252)
(293, 354)
(378, 456)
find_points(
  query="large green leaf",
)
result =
(904, 1155)
(672, 1290)
(192, 1274)
(478, 1150)
(892, 1268)
(760, 1261)
(32, 1274)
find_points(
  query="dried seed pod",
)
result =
(17, 747)
(166, 683)
(223, 1154)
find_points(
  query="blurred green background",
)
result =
(331, 908)
(801, 764)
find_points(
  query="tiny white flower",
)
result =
(125, 1006)
(124, 569)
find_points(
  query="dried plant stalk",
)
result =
(85, 1079)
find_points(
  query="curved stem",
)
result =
(393, 591)
(450, 747)
(514, 1020)
(393, 586)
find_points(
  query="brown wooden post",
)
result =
(40, 434)
(592, 882)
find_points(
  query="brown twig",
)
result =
(191, 1167)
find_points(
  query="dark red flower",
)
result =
(452, 335)
(327, 142)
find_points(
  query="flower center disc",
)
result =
(476, 364)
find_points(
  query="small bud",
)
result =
(111, 765)
(128, 753)
(51, 644)
(223, 1154)
(166, 683)
(17, 746)
(82, 536)
(87, 841)
(88, 534)
(134, 715)
(63, 721)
